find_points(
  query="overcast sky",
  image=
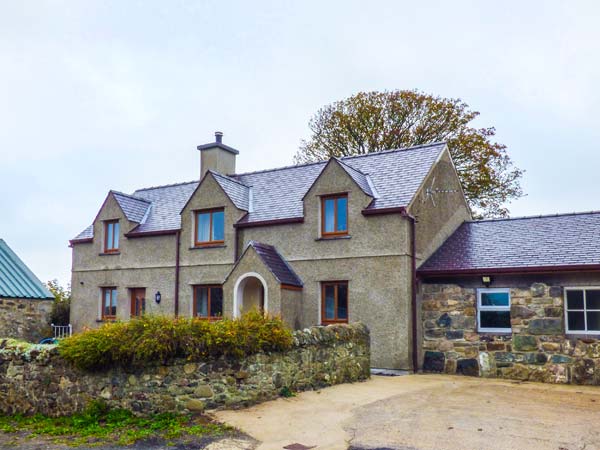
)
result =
(116, 95)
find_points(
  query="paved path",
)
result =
(429, 412)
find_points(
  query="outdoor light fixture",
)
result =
(157, 297)
(486, 280)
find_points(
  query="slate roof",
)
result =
(237, 192)
(395, 176)
(134, 208)
(557, 241)
(16, 280)
(278, 266)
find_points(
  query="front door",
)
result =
(138, 302)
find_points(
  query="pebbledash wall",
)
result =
(538, 349)
(25, 318)
(38, 380)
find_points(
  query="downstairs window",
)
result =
(582, 310)
(493, 310)
(208, 302)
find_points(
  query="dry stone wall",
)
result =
(35, 379)
(536, 350)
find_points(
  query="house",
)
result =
(383, 238)
(25, 304)
(328, 242)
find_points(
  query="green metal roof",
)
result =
(16, 280)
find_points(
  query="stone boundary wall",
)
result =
(25, 319)
(35, 379)
(536, 350)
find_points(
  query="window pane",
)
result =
(494, 299)
(109, 235)
(342, 312)
(216, 302)
(218, 226)
(116, 235)
(592, 299)
(593, 320)
(342, 214)
(203, 227)
(329, 215)
(113, 310)
(576, 321)
(574, 299)
(495, 319)
(330, 302)
(202, 302)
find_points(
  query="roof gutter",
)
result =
(394, 210)
(134, 234)
(73, 242)
(413, 288)
(509, 270)
(265, 223)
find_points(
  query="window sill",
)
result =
(109, 253)
(105, 320)
(333, 238)
(494, 333)
(201, 247)
(339, 322)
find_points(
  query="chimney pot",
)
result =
(219, 137)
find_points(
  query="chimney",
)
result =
(217, 156)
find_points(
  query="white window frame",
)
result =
(480, 308)
(584, 310)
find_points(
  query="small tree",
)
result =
(374, 121)
(61, 308)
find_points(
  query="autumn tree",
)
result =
(373, 121)
(62, 303)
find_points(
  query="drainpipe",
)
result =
(413, 288)
(178, 242)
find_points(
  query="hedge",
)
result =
(161, 339)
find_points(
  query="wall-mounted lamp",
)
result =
(486, 280)
(157, 297)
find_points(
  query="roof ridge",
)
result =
(324, 161)
(227, 177)
(392, 150)
(165, 185)
(343, 163)
(538, 216)
(130, 196)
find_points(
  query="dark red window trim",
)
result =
(335, 215)
(210, 231)
(112, 290)
(109, 247)
(195, 307)
(336, 285)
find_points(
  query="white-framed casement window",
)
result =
(582, 310)
(493, 310)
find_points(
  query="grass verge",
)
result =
(99, 425)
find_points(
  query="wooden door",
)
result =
(138, 302)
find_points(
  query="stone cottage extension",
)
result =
(25, 303)
(321, 243)
(515, 298)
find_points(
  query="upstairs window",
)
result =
(334, 302)
(582, 311)
(208, 302)
(493, 310)
(334, 215)
(210, 227)
(109, 303)
(111, 236)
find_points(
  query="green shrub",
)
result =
(162, 339)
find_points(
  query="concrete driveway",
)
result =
(428, 412)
